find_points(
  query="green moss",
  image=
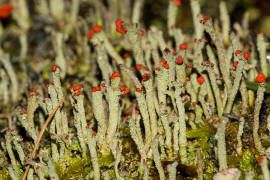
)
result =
(209, 169)
(4, 175)
(254, 86)
(75, 146)
(205, 131)
(232, 161)
(247, 161)
(106, 160)
(73, 168)
(192, 157)
(202, 134)
(46, 72)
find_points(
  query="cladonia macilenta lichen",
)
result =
(105, 96)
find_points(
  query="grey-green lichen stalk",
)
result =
(144, 103)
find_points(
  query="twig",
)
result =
(200, 164)
(41, 134)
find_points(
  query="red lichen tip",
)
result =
(142, 32)
(167, 50)
(174, 52)
(237, 52)
(126, 91)
(183, 46)
(126, 55)
(260, 78)
(212, 65)
(157, 68)
(24, 112)
(122, 88)
(179, 61)
(33, 90)
(114, 75)
(137, 112)
(90, 35)
(67, 137)
(102, 84)
(119, 27)
(97, 28)
(77, 93)
(5, 10)
(202, 21)
(259, 32)
(206, 18)
(260, 160)
(49, 84)
(77, 87)
(166, 66)
(235, 63)
(146, 68)
(94, 133)
(194, 104)
(138, 89)
(37, 167)
(139, 67)
(200, 79)
(54, 67)
(246, 55)
(70, 88)
(98, 88)
(146, 77)
(177, 2)
(118, 22)
(190, 66)
(95, 89)
(163, 61)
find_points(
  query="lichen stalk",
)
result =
(221, 144)
(216, 91)
(236, 84)
(93, 154)
(264, 167)
(150, 105)
(257, 108)
(165, 123)
(98, 110)
(196, 11)
(171, 16)
(220, 52)
(225, 21)
(182, 124)
(114, 106)
(262, 45)
(156, 157)
(239, 135)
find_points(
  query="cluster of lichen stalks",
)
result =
(161, 112)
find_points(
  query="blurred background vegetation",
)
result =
(259, 14)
